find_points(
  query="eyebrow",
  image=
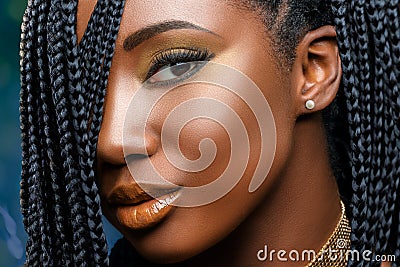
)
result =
(148, 32)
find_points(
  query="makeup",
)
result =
(178, 63)
(135, 209)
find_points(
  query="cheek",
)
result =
(259, 64)
(214, 134)
(276, 86)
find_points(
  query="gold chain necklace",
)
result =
(334, 252)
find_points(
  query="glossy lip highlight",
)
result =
(136, 209)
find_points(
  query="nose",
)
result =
(112, 148)
(116, 142)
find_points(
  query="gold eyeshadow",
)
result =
(143, 56)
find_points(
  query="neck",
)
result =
(300, 211)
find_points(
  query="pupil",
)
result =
(180, 69)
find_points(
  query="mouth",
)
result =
(138, 209)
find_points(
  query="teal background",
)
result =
(12, 235)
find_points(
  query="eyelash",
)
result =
(178, 55)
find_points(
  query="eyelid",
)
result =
(173, 50)
(178, 54)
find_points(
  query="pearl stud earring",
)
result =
(310, 104)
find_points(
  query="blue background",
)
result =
(12, 234)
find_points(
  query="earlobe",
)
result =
(318, 68)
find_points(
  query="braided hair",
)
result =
(62, 90)
(63, 86)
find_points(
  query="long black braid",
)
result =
(62, 83)
(59, 198)
(369, 42)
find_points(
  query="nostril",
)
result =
(140, 146)
(117, 141)
(117, 152)
(135, 157)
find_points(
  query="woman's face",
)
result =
(205, 30)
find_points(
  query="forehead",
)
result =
(222, 17)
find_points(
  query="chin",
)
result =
(166, 253)
(169, 255)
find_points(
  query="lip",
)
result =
(136, 209)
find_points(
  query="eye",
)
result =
(175, 72)
(176, 64)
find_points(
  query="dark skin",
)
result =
(297, 206)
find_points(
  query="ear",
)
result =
(317, 69)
